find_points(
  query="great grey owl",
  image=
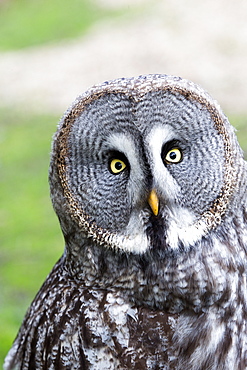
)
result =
(149, 184)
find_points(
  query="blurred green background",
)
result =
(30, 237)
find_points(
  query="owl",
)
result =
(149, 184)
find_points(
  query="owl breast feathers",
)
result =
(149, 184)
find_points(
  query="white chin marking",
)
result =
(137, 244)
(184, 227)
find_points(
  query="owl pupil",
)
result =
(118, 166)
(173, 155)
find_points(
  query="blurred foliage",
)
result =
(240, 124)
(26, 23)
(30, 237)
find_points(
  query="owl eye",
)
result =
(173, 156)
(117, 165)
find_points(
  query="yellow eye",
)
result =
(174, 156)
(117, 166)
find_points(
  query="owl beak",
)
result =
(153, 201)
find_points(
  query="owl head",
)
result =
(144, 163)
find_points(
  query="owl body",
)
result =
(149, 185)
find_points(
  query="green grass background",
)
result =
(30, 240)
(26, 23)
(30, 237)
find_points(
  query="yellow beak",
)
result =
(153, 201)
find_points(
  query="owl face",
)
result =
(143, 162)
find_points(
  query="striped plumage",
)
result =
(149, 185)
(69, 321)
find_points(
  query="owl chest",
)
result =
(115, 335)
(118, 336)
(71, 327)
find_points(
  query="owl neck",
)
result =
(204, 276)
